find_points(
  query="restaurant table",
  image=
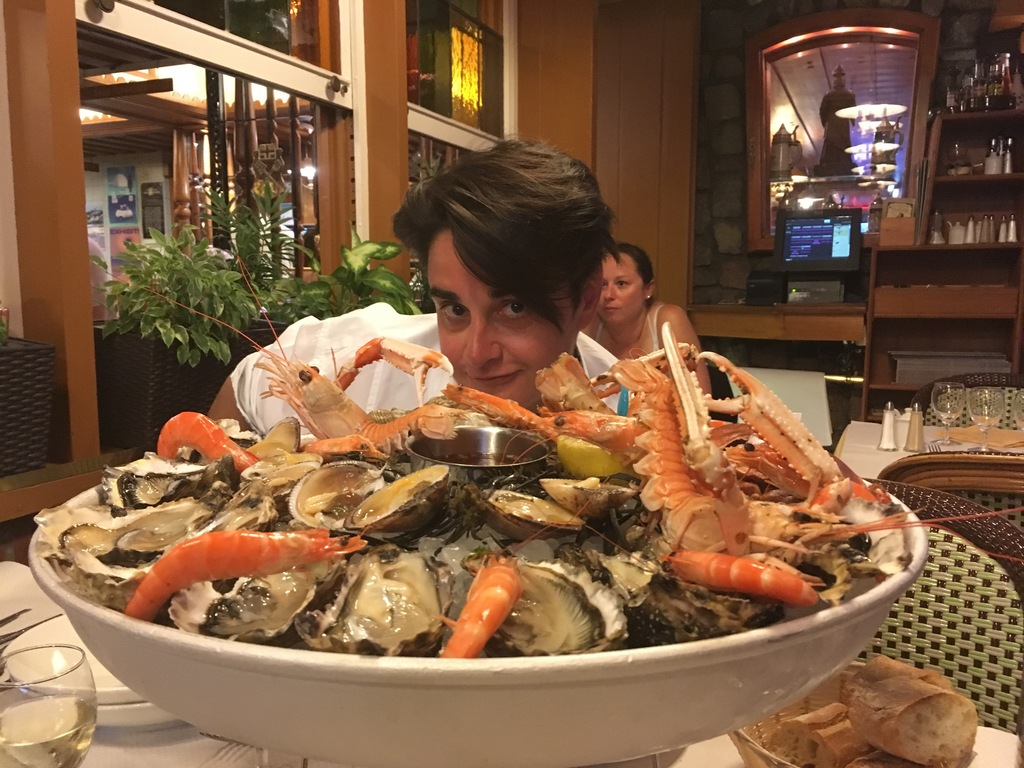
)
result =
(858, 447)
(176, 744)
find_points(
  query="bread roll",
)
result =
(822, 738)
(914, 720)
(882, 760)
(883, 668)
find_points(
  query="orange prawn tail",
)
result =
(726, 573)
(194, 430)
(230, 554)
(496, 588)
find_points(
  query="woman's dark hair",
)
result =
(644, 267)
(527, 220)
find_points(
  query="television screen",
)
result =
(822, 240)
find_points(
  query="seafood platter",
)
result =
(634, 584)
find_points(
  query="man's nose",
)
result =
(481, 342)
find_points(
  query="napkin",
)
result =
(997, 438)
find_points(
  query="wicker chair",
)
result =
(963, 616)
(1010, 381)
(993, 480)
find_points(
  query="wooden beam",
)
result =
(94, 91)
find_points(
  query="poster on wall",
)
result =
(122, 196)
(119, 237)
(96, 228)
(152, 206)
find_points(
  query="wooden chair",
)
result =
(993, 480)
(963, 616)
(1009, 381)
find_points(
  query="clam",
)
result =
(325, 497)
(283, 437)
(521, 516)
(589, 498)
(561, 610)
(407, 504)
(390, 603)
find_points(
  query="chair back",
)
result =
(1011, 382)
(992, 480)
(963, 616)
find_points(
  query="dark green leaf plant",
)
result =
(176, 289)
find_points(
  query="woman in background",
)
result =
(629, 319)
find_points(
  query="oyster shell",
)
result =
(390, 603)
(589, 498)
(561, 610)
(149, 481)
(252, 609)
(407, 504)
(521, 516)
(325, 497)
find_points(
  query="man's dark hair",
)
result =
(527, 220)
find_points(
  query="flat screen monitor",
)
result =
(821, 240)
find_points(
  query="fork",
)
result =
(9, 637)
(933, 447)
(8, 619)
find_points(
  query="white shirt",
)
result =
(327, 344)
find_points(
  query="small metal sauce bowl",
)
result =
(478, 454)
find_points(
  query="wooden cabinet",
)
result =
(950, 298)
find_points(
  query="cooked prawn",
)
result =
(406, 356)
(726, 573)
(194, 430)
(230, 554)
(495, 589)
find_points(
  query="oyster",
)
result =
(325, 497)
(588, 498)
(561, 610)
(283, 437)
(407, 504)
(390, 603)
(253, 609)
(149, 481)
(521, 516)
(106, 555)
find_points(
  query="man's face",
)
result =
(496, 344)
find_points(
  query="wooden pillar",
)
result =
(49, 179)
(386, 118)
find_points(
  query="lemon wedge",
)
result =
(582, 458)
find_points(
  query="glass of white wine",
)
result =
(1017, 410)
(47, 706)
(986, 406)
(948, 401)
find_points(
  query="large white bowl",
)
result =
(551, 712)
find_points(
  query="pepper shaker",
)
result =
(915, 432)
(888, 440)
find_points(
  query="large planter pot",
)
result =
(140, 385)
(26, 397)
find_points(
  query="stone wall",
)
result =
(721, 263)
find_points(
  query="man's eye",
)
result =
(516, 307)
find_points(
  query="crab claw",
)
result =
(777, 425)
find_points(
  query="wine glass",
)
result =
(986, 406)
(1017, 410)
(47, 706)
(948, 400)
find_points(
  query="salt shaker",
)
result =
(888, 441)
(915, 432)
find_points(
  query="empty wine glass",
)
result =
(986, 406)
(47, 706)
(1017, 410)
(948, 401)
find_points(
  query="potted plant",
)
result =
(176, 306)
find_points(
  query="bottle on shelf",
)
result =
(971, 236)
(1008, 154)
(875, 214)
(993, 161)
(1011, 230)
(1001, 237)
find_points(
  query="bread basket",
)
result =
(752, 742)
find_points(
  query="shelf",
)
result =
(789, 322)
(984, 302)
(966, 247)
(894, 387)
(981, 179)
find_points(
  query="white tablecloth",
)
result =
(858, 447)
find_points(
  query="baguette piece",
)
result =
(915, 720)
(883, 668)
(885, 760)
(823, 738)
